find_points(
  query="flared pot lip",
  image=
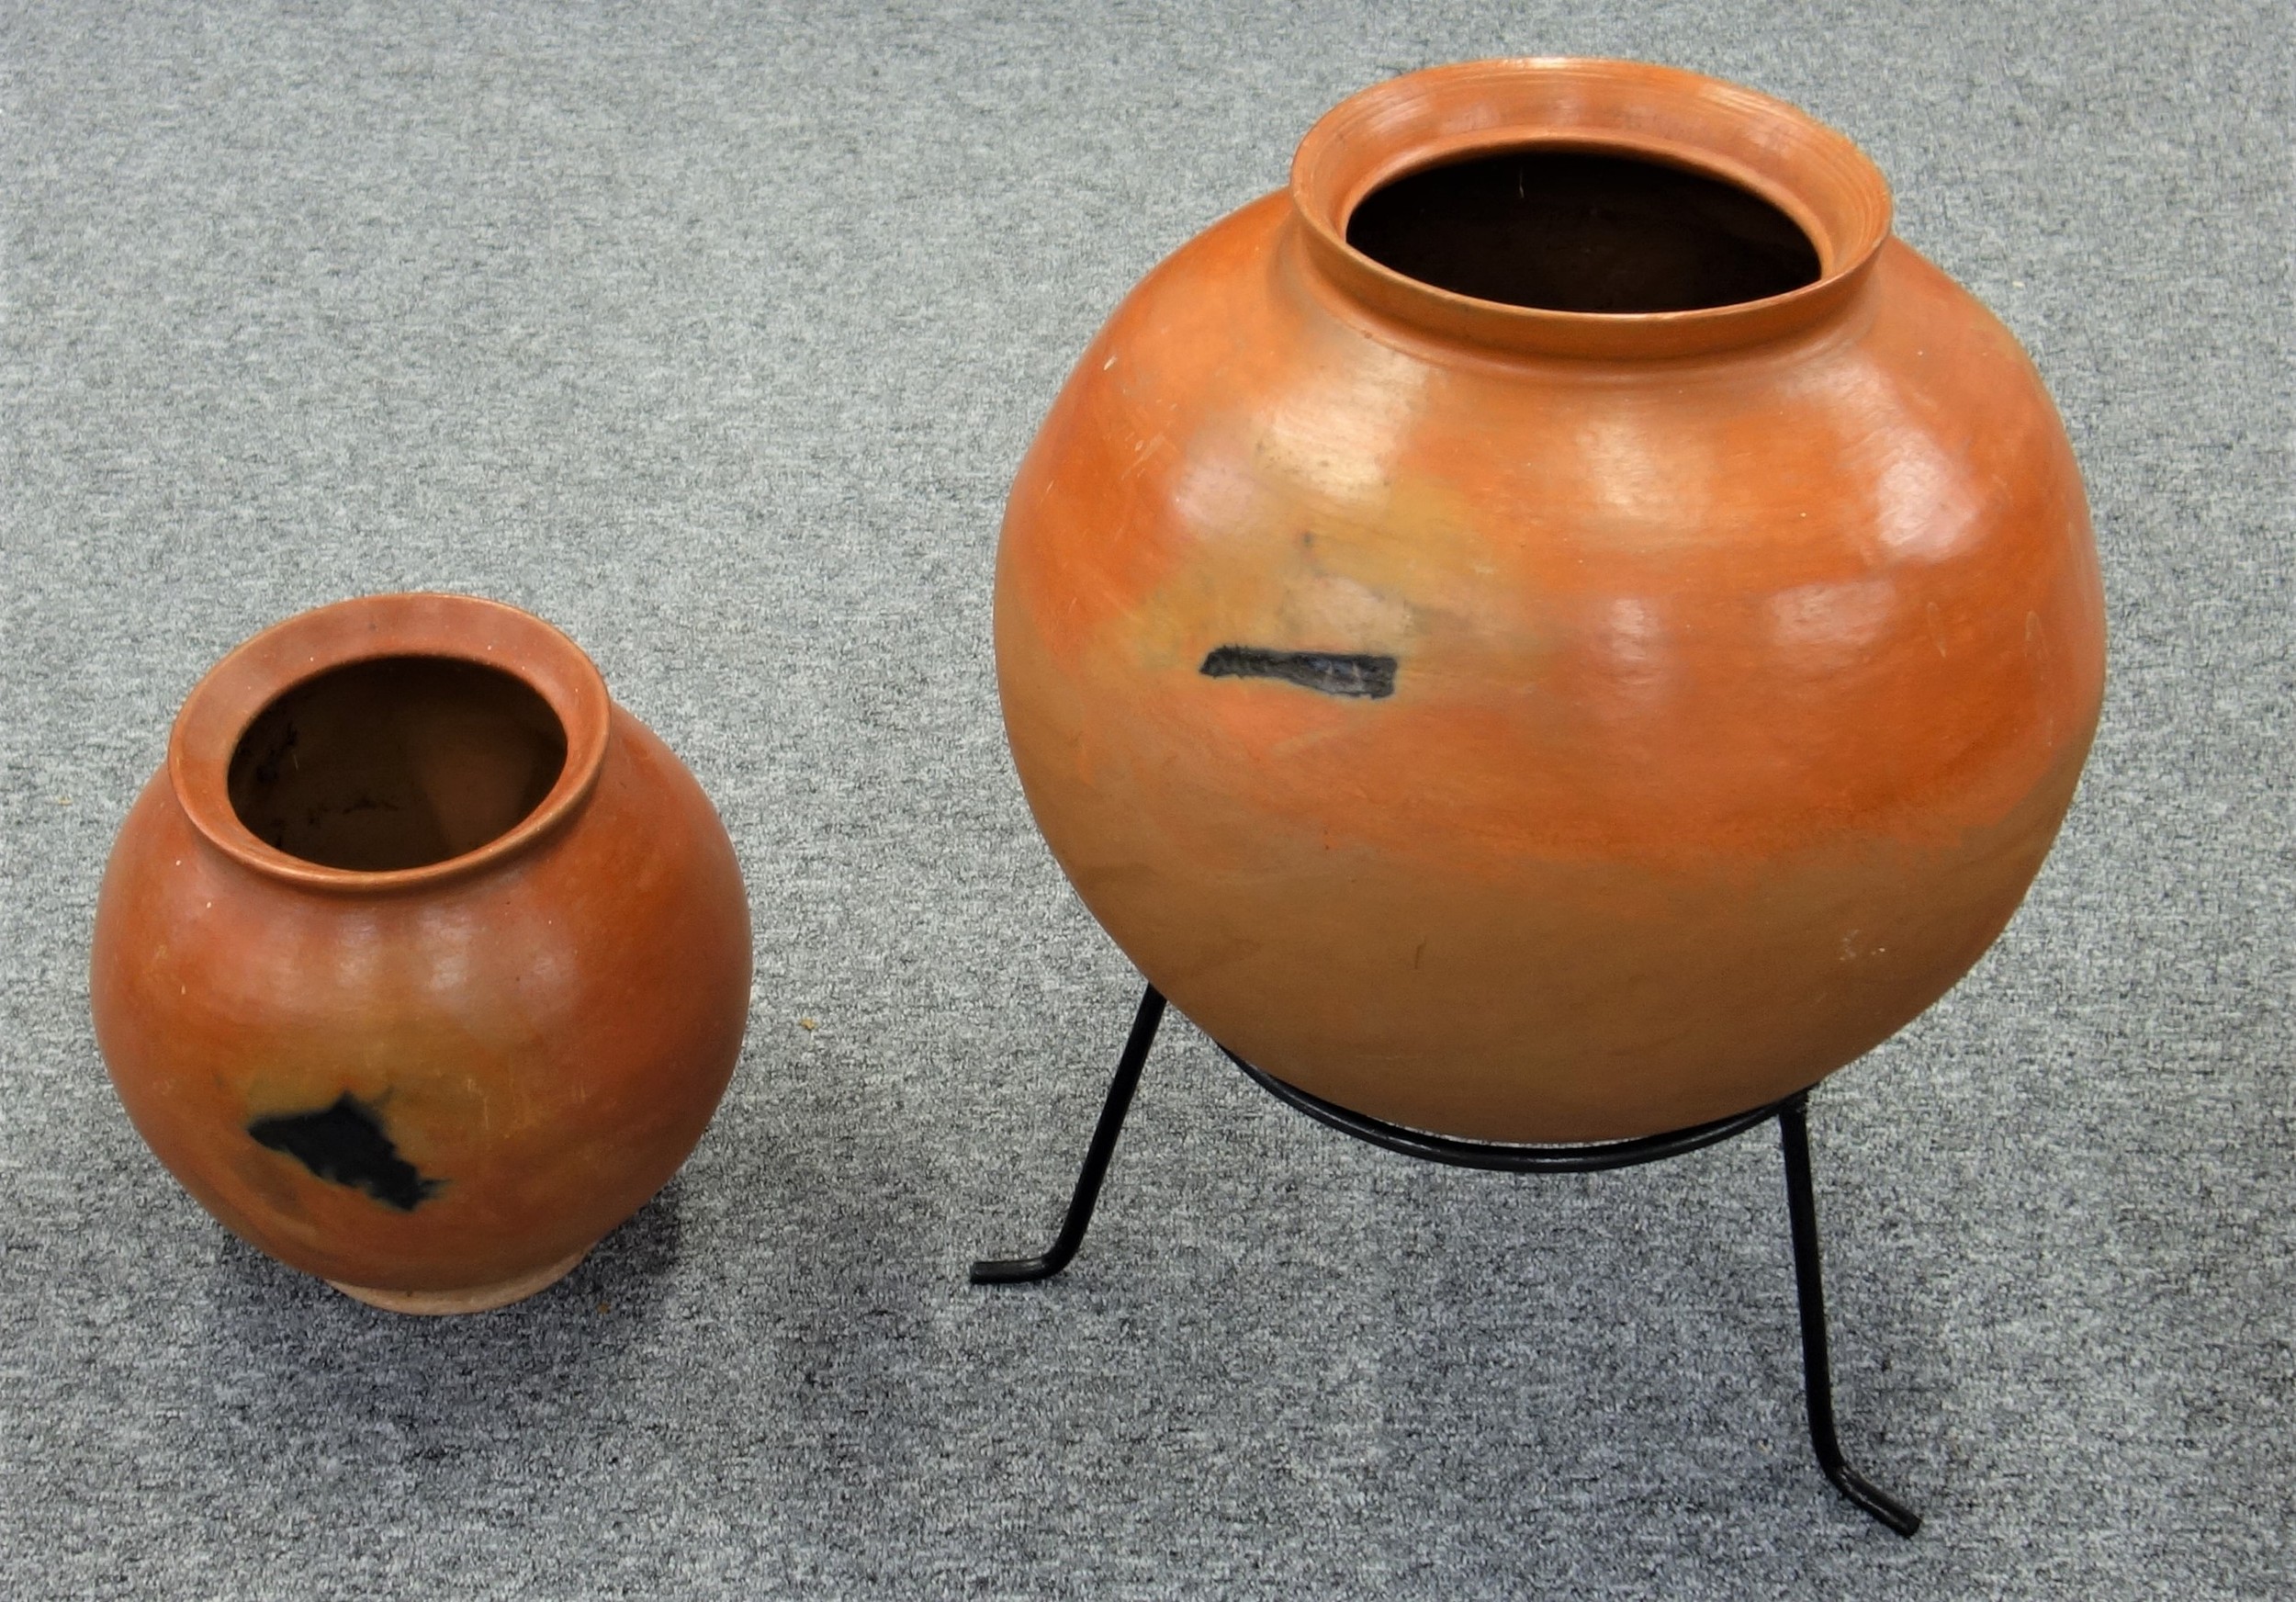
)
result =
(1817, 175)
(469, 629)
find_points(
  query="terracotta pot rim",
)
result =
(1815, 175)
(236, 690)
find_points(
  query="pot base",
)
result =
(470, 1299)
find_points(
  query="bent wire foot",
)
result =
(1801, 1206)
(1014, 1270)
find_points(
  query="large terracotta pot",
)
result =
(1581, 642)
(420, 963)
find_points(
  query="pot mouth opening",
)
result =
(396, 763)
(1580, 229)
(391, 741)
(1580, 208)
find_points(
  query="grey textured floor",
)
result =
(713, 336)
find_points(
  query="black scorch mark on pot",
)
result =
(345, 1144)
(1332, 673)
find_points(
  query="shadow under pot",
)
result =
(1557, 626)
(420, 964)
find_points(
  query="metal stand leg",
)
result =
(1801, 1205)
(1013, 1270)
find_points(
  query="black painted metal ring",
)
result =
(1588, 1158)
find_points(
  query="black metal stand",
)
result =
(1595, 1156)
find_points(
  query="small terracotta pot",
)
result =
(1559, 626)
(420, 963)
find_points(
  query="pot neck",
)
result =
(237, 690)
(1809, 172)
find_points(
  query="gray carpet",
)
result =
(714, 334)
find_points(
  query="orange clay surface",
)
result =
(1744, 659)
(537, 1025)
